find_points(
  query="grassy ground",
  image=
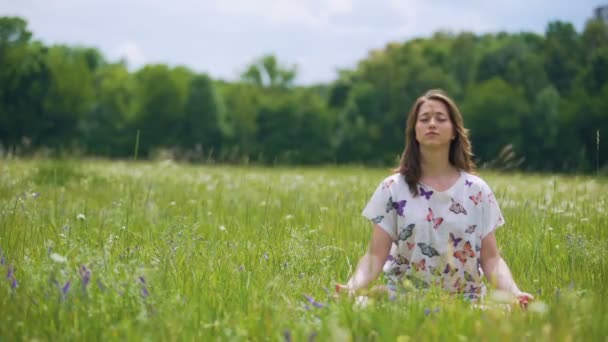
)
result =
(96, 250)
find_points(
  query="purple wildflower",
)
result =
(85, 275)
(66, 288)
(427, 311)
(11, 272)
(144, 288)
(14, 283)
(314, 302)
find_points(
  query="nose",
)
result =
(432, 121)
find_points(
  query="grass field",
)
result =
(97, 250)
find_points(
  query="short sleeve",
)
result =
(491, 217)
(380, 209)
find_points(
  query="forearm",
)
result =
(499, 275)
(367, 271)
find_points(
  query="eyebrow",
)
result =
(429, 113)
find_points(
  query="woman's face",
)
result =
(433, 125)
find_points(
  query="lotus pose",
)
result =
(434, 219)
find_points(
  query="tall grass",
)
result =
(177, 252)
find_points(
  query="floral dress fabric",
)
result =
(436, 235)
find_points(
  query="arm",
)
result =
(371, 263)
(496, 270)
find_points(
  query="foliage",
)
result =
(161, 251)
(541, 95)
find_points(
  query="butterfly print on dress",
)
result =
(426, 194)
(450, 270)
(399, 206)
(466, 252)
(457, 208)
(431, 218)
(387, 184)
(378, 219)
(427, 250)
(476, 198)
(471, 229)
(406, 232)
(421, 265)
(454, 240)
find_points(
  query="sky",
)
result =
(222, 37)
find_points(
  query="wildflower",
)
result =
(81, 217)
(66, 288)
(14, 283)
(85, 275)
(222, 228)
(265, 256)
(314, 302)
(58, 258)
(10, 273)
(288, 217)
(144, 288)
(35, 194)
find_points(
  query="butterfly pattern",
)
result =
(426, 194)
(454, 240)
(431, 218)
(467, 252)
(447, 255)
(427, 250)
(457, 208)
(476, 198)
(406, 232)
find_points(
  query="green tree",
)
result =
(267, 72)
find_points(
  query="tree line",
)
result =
(532, 101)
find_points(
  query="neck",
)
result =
(435, 162)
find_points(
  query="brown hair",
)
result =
(461, 155)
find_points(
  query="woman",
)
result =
(434, 221)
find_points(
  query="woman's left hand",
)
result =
(523, 298)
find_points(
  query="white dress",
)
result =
(436, 235)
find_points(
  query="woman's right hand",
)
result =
(343, 289)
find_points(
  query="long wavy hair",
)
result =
(461, 154)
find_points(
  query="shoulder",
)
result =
(393, 182)
(475, 182)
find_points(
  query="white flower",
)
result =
(288, 217)
(81, 217)
(58, 258)
(222, 228)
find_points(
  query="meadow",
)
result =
(99, 250)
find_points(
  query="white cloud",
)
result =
(315, 14)
(132, 53)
